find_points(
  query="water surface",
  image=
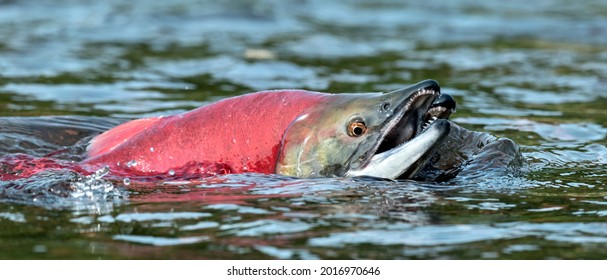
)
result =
(533, 73)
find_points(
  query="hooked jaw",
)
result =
(408, 138)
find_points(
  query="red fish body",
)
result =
(243, 134)
(288, 132)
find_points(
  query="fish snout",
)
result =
(442, 107)
(427, 85)
(445, 100)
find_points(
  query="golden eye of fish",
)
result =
(357, 129)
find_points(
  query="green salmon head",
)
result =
(388, 135)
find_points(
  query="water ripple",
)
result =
(160, 241)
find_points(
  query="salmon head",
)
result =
(388, 135)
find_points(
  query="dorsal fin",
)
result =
(112, 138)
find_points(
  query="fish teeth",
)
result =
(428, 123)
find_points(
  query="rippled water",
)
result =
(533, 73)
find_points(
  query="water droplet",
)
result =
(101, 172)
(234, 140)
(131, 163)
(126, 181)
(171, 172)
(152, 149)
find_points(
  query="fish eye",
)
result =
(357, 128)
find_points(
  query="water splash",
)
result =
(94, 188)
(64, 189)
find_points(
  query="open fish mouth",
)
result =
(408, 138)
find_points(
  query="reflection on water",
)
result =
(533, 73)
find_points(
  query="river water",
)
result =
(532, 72)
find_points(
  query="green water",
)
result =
(535, 73)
